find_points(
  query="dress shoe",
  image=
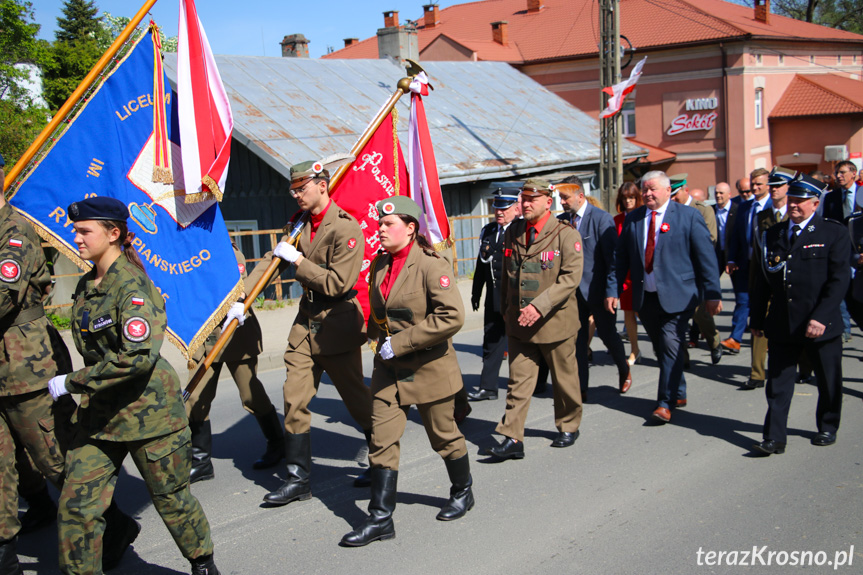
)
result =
(753, 384)
(626, 383)
(805, 378)
(716, 354)
(731, 345)
(824, 438)
(507, 449)
(481, 394)
(633, 360)
(565, 438)
(692, 344)
(661, 414)
(769, 447)
(680, 403)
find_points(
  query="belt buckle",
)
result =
(310, 295)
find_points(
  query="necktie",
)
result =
(651, 244)
(531, 235)
(499, 234)
(849, 203)
(753, 225)
(577, 221)
(795, 229)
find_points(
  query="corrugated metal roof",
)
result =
(487, 120)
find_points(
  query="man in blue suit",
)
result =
(598, 237)
(666, 248)
(739, 251)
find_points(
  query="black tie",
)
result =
(795, 229)
(499, 234)
(531, 235)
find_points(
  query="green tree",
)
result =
(840, 14)
(79, 21)
(114, 25)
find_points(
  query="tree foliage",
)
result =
(79, 21)
(840, 14)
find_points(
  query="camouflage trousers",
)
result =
(92, 467)
(33, 429)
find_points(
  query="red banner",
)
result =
(369, 179)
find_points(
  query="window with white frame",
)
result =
(627, 116)
(759, 108)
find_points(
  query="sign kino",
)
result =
(697, 121)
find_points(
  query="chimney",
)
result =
(398, 43)
(431, 15)
(391, 19)
(351, 41)
(499, 32)
(762, 11)
(295, 46)
(534, 6)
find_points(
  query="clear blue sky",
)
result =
(255, 27)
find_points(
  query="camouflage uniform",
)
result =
(130, 403)
(31, 353)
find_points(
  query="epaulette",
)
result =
(345, 215)
(431, 253)
(831, 220)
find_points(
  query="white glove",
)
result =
(387, 350)
(236, 312)
(287, 252)
(57, 386)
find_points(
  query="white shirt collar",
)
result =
(580, 212)
(802, 224)
(761, 203)
(661, 210)
(688, 201)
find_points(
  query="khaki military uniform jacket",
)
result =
(545, 275)
(329, 314)
(422, 313)
(128, 391)
(709, 218)
(26, 349)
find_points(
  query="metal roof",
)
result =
(487, 120)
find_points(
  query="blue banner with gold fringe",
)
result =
(113, 146)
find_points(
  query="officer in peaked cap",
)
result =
(488, 274)
(677, 182)
(795, 302)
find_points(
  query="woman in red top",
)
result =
(628, 198)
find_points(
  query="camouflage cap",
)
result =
(98, 208)
(677, 181)
(537, 187)
(780, 176)
(399, 205)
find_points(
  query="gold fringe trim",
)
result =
(444, 245)
(214, 187)
(162, 175)
(202, 197)
(212, 323)
(396, 149)
(59, 245)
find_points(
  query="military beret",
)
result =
(98, 208)
(780, 176)
(677, 181)
(504, 198)
(537, 187)
(803, 186)
(2, 161)
(399, 205)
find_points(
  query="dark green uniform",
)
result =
(30, 350)
(130, 403)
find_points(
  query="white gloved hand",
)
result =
(387, 350)
(236, 312)
(287, 252)
(57, 386)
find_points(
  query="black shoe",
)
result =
(275, 436)
(716, 354)
(507, 449)
(770, 447)
(378, 526)
(801, 379)
(824, 438)
(481, 394)
(460, 494)
(204, 566)
(565, 438)
(120, 532)
(298, 452)
(202, 446)
(9, 558)
(753, 384)
(41, 511)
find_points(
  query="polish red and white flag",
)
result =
(205, 116)
(620, 91)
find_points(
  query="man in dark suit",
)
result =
(488, 274)
(666, 249)
(598, 236)
(726, 211)
(740, 250)
(744, 190)
(795, 303)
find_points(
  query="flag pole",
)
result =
(403, 87)
(77, 94)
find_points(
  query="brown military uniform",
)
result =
(422, 313)
(241, 356)
(705, 322)
(546, 275)
(327, 334)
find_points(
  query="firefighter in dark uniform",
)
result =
(240, 354)
(488, 274)
(805, 277)
(855, 227)
(416, 309)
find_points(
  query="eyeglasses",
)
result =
(299, 191)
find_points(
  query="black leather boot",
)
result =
(120, 532)
(41, 510)
(9, 558)
(364, 479)
(204, 566)
(460, 494)
(275, 435)
(202, 446)
(298, 452)
(379, 524)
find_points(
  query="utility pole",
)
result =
(610, 161)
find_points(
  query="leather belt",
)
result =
(317, 297)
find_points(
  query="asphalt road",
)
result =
(628, 497)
